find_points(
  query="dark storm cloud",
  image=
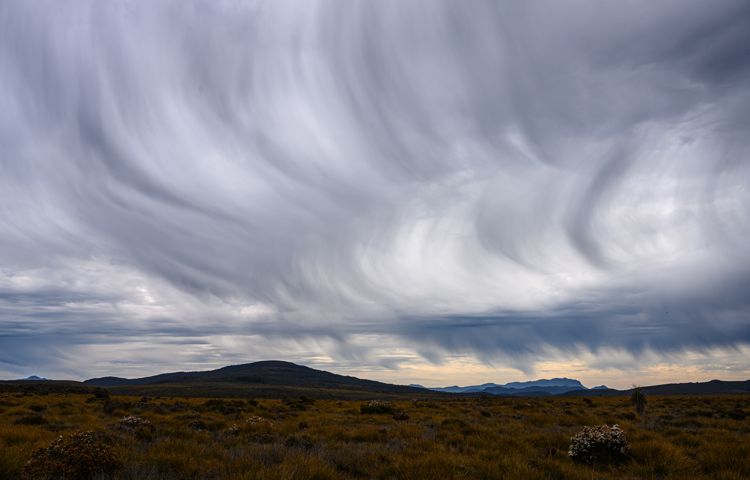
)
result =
(492, 178)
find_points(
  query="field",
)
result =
(301, 438)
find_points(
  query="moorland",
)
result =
(52, 429)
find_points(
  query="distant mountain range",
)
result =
(274, 379)
(534, 388)
(571, 387)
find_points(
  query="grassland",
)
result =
(467, 438)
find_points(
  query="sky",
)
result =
(432, 192)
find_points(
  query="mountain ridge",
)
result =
(275, 378)
(543, 386)
(267, 375)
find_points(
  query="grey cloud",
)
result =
(492, 178)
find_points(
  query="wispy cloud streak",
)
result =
(491, 179)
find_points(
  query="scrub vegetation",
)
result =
(95, 435)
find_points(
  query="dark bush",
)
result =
(263, 438)
(400, 416)
(32, 419)
(225, 407)
(299, 404)
(736, 415)
(302, 442)
(115, 407)
(197, 425)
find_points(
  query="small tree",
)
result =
(638, 399)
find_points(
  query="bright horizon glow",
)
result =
(686, 367)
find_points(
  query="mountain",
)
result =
(277, 379)
(544, 383)
(542, 387)
(469, 389)
(33, 378)
(537, 391)
(572, 387)
(267, 378)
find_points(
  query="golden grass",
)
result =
(682, 437)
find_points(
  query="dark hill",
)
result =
(714, 387)
(45, 387)
(260, 378)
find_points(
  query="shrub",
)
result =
(256, 420)
(32, 419)
(400, 416)
(80, 456)
(225, 407)
(233, 429)
(133, 424)
(304, 442)
(377, 407)
(599, 444)
(115, 407)
(638, 400)
(198, 425)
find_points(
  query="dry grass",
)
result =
(682, 437)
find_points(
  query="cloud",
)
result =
(493, 179)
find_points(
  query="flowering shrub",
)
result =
(598, 444)
(256, 420)
(138, 426)
(79, 456)
(133, 422)
(377, 406)
(233, 429)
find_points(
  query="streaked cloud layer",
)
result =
(372, 183)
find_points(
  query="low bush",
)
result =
(31, 419)
(138, 426)
(401, 416)
(80, 456)
(598, 444)
(377, 407)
